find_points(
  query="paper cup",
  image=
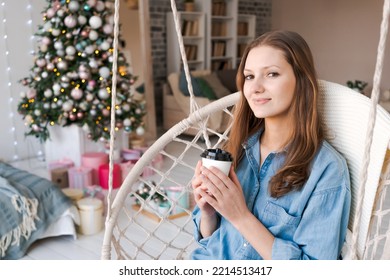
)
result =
(217, 158)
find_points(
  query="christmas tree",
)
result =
(71, 79)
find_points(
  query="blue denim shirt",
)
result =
(307, 224)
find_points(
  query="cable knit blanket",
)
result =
(28, 205)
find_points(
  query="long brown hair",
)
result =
(307, 132)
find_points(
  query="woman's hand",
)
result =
(197, 185)
(223, 193)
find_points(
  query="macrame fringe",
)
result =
(29, 209)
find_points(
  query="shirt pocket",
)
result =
(279, 222)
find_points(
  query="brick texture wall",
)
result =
(158, 9)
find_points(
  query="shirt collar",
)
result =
(254, 139)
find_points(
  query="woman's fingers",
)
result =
(214, 180)
(196, 181)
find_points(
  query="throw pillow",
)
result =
(213, 81)
(206, 89)
(200, 87)
(184, 87)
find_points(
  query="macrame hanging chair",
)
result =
(356, 126)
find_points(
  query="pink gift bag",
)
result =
(116, 176)
(80, 177)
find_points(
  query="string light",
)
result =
(9, 83)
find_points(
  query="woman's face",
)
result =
(269, 84)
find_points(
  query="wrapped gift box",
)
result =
(80, 177)
(59, 176)
(126, 168)
(131, 155)
(94, 161)
(62, 163)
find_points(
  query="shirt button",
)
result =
(245, 244)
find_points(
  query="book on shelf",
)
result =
(221, 65)
(219, 28)
(191, 52)
(190, 28)
(242, 28)
(219, 48)
(218, 8)
(240, 49)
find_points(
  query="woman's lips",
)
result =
(261, 100)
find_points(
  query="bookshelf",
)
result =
(192, 26)
(214, 36)
(221, 33)
(246, 32)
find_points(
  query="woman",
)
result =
(287, 195)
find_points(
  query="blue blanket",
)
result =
(28, 205)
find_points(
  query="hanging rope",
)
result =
(370, 127)
(113, 101)
(193, 105)
(113, 104)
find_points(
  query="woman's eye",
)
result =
(248, 77)
(273, 74)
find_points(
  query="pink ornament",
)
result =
(41, 62)
(72, 117)
(76, 93)
(35, 127)
(80, 115)
(92, 83)
(31, 93)
(84, 33)
(83, 75)
(119, 125)
(50, 13)
(106, 112)
(100, 6)
(46, 40)
(91, 3)
(50, 66)
(82, 67)
(108, 29)
(70, 21)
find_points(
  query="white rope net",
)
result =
(378, 241)
(150, 217)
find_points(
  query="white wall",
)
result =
(16, 39)
(343, 35)
(130, 32)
